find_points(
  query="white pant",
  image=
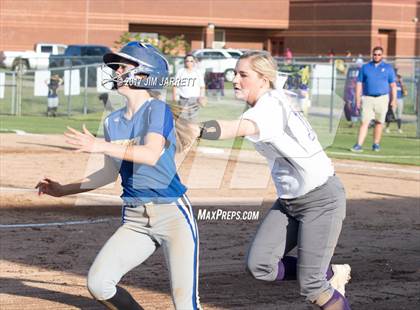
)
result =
(52, 102)
(144, 228)
(399, 109)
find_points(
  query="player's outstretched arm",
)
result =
(393, 98)
(221, 129)
(148, 154)
(53, 188)
(102, 177)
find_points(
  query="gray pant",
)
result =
(311, 222)
(190, 107)
(144, 228)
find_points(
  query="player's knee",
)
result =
(258, 269)
(100, 287)
(182, 297)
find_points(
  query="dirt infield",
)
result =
(44, 267)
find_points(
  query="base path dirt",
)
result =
(47, 244)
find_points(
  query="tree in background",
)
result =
(174, 46)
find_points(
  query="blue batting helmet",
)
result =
(149, 63)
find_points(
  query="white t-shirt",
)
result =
(193, 85)
(297, 161)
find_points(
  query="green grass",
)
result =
(396, 148)
(51, 125)
(37, 105)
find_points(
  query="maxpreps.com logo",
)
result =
(223, 215)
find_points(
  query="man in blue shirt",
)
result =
(375, 80)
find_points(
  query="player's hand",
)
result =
(394, 104)
(358, 104)
(49, 187)
(195, 129)
(84, 141)
(202, 101)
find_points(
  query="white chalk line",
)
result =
(213, 151)
(33, 190)
(195, 201)
(249, 156)
(203, 201)
(372, 155)
(83, 222)
(20, 132)
(30, 225)
(371, 167)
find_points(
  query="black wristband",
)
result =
(210, 130)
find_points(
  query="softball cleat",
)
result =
(341, 277)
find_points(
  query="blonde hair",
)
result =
(264, 64)
(184, 130)
(184, 133)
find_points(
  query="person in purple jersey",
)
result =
(398, 110)
(140, 144)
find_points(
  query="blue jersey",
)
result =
(376, 79)
(52, 88)
(144, 183)
(400, 94)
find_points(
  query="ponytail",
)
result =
(184, 130)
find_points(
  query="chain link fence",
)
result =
(320, 84)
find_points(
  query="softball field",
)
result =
(48, 244)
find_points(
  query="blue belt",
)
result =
(376, 95)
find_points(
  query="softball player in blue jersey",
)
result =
(140, 144)
(311, 206)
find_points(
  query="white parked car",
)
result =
(218, 60)
(37, 59)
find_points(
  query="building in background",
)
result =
(204, 23)
(317, 27)
(307, 27)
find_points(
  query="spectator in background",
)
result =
(351, 109)
(401, 93)
(359, 60)
(215, 84)
(375, 81)
(192, 96)
(104, 97)
(288, 56)
(349, 57)
(352, 112)
(348, 54)
(304, 101)
(52, 99)
(331, 55)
